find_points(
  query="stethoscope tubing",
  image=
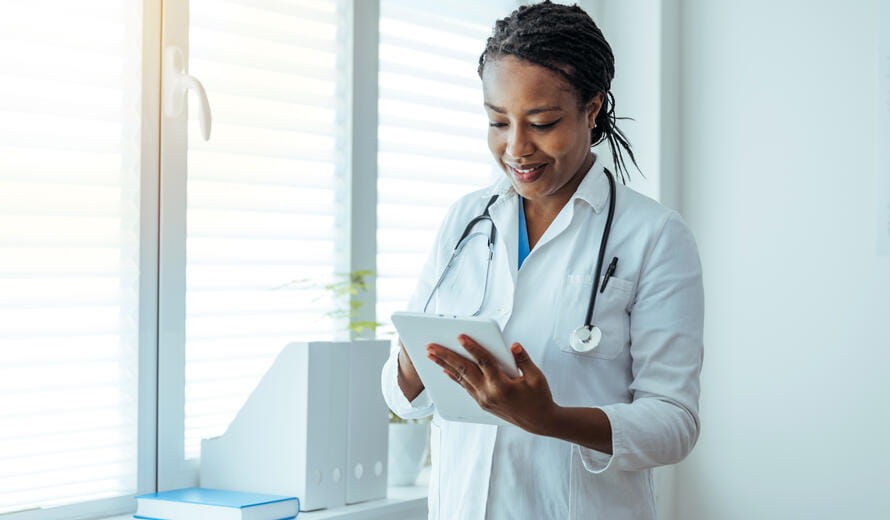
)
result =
(464, 238)
(466, 235)
(588, 320)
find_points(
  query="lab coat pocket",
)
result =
(610, 314)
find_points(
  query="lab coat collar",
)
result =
(594, 188)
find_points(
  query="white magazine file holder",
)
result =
(315, 427)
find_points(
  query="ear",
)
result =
(593, 109)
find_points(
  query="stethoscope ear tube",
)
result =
(460, 245)
(484, 216)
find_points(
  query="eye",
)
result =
(496, 125)
(546, 126)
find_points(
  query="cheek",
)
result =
(495, 144)
(568, 146)
(558, 146)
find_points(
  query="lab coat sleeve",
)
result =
(422, 405)
(660, 425)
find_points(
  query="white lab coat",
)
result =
(644, 375)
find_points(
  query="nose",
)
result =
(519, 143)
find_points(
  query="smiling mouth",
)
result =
(527, 174)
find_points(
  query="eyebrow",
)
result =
(533, 111)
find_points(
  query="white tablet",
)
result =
(452, 401)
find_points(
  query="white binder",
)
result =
(315, 427)
(289, 438)
(368, 431)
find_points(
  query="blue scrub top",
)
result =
(523, 234)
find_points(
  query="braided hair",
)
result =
(565, 40)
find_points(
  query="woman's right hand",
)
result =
(409, 381)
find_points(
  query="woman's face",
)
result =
(537, 134)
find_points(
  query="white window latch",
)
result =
(176, 85)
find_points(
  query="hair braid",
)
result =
(565, 40)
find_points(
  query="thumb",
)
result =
(523, 362)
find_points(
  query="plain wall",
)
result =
(778, 167)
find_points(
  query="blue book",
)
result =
(215, 504)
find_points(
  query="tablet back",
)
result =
(452, 401)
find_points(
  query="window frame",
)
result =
(358, 213)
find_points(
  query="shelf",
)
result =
(408, 503)
(405, 503)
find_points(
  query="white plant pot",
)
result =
(407, 451)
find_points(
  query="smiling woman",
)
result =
(589, 420)
(538, 135)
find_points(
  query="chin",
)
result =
(526, 191)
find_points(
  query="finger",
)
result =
(455, 363)
(456, 378)
(459, 379)
(523, 362)
(486, 362)
(448, 356)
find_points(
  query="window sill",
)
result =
(408, 503)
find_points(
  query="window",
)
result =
(432, 132)
(262, 196)
(71, 282)
(145, 270)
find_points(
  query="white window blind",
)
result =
(262, 194)
(432, 131)
(70, 98)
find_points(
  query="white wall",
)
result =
(778, 145)
(646, 88)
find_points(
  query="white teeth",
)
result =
(527, 171)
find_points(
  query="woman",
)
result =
(590, 423)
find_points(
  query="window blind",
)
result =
(263, 195)
(69, 229)
(432, 132)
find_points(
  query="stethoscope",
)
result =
(586, 337)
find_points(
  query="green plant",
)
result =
(343, 287)
(395, 419)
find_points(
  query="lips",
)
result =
(527, 172)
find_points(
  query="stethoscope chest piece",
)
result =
(586, 338)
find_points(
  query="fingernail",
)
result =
(516, 349)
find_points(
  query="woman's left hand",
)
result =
(525, 401)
